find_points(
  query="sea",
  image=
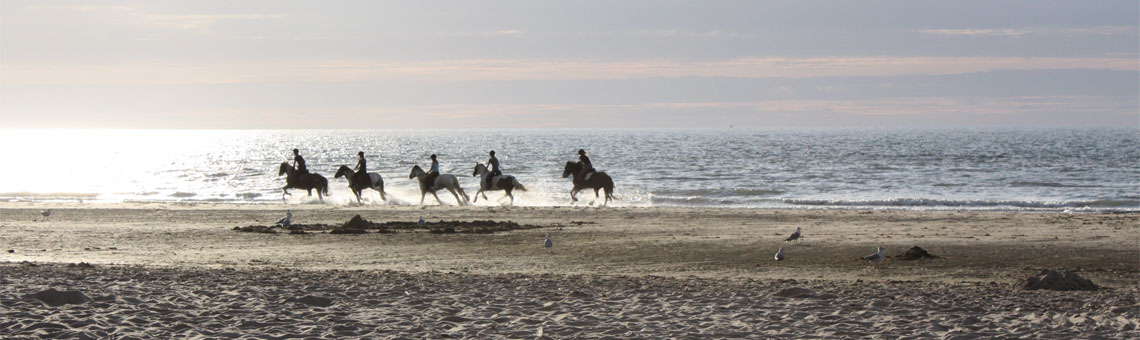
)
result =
(1005, 169)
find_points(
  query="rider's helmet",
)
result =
(492, 152)
(361, 154)
(295, 151)
(433, 156)
(581, 151)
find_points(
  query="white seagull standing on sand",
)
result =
(876, 257)
(284, 222)
(548, 243)
(795, 236)
(780, 254)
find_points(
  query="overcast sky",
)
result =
(538, 64)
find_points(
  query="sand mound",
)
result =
(914, 253)
(315, 301)
(356, 225)
(795, 292)
(1053, 280)
(55, 298)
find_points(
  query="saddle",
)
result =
(494, 181)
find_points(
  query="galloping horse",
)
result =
(307, 182)
(442, 181)
(599, 180)
(375, 182)
(504, 182)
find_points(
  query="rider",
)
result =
(584, 162)
(493, 163)
(299, 164)
(361, 167)
(433, 173)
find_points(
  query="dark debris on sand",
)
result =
(914, 253)
(359, 225)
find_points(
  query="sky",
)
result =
(568, 64)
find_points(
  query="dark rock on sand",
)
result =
(1053, 280)
(55, 298)
(914, 253)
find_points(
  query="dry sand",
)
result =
(179, 270)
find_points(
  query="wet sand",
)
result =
(179, 270)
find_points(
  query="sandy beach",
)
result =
(158, 270)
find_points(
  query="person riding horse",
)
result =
(434, 172)
(361, 169)
(584, 161)
(299, 164)
(493, 163)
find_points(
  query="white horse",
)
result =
(375, 182)
(507, 183)
(450, 182)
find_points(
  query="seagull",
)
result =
(876, 257)
(780, 254)
(548, 242)
(46, 213)
(795, 236)
(284, 222)
(421, 222)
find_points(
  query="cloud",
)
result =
(1042, 31)
(529, 69)
(135, 15)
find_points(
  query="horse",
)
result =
(375, 182)
(599, 180)
(307, 182)
(507, 183)
(442, 181)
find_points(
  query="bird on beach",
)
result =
(421, 222)
(876, 257)
(795, 236)
(46, 213)
(548, 243)
(780, 254)
(284, 222)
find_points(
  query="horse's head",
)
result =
(342, 171)
(571, 168)
(416, 171)
(284, 169)
(479, 169)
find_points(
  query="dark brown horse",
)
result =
(375, 182)
(598, 180)
(308, 182)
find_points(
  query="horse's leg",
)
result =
(511, 196)
(596, 193)
(437, 198)
(357, 193)
(458, 200)
(574, 192)
(422, 194)
(477, 195)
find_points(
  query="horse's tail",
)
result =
(381, 185)
(323, 185)
(609, 187)
(518, 185)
